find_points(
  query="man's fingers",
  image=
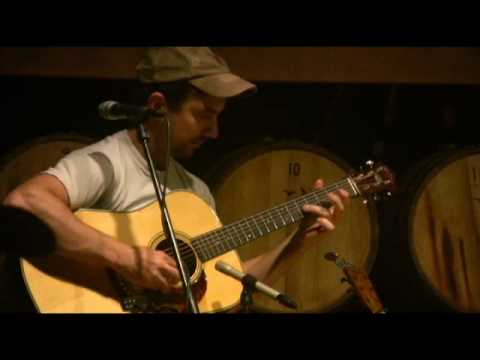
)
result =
(172, 274)
(319, 183)
(167, 259)
(336, 201)
(326, 224)
(315, 210)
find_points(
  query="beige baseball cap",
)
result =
(199, 65)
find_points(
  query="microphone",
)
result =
(254, 284)
(112, 110)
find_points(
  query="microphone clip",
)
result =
(250, 286)
(246, 299)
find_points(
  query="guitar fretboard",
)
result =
(232, 236)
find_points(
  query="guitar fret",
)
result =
(247, 235)
(260, 230)
(238, 236)
(255, 229)
(293, 219)
(208, 251)
(298, 208)
(254, 233)
(205, 252)
(275, 216)
(281, 217)
(230, 240)
(235, 233)
(215, 246)
(264, 224)
(302, 201)
(257, 223)
(222, 245)
(272, 221)
(241, 235)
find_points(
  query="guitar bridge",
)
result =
(134, 304)
(137, 300)
(146, 304)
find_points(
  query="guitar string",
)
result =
(243, 224)
(203, 243)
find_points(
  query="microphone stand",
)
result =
(144, 136)
(246, 299)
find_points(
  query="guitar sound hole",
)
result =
(186, 252)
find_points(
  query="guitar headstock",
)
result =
(360, 282)
(374, 179)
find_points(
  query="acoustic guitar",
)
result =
(59, 285)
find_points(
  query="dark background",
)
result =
(397, 124)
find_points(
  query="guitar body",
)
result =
(59, 285)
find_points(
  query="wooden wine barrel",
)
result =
(260, 177)
(35, 156)
(20, 164)
(442, 206)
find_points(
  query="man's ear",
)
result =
(156, 100)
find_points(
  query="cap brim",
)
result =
(224, 85)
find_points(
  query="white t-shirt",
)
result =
(112, 174)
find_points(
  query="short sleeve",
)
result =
(207, 195)
(85, 175)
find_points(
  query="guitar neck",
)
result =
(232, 236)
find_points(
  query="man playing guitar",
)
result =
(193, 86)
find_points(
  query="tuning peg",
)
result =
(382, 196)
(369, 164)
(386, 195)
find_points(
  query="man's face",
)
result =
(194, 124)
